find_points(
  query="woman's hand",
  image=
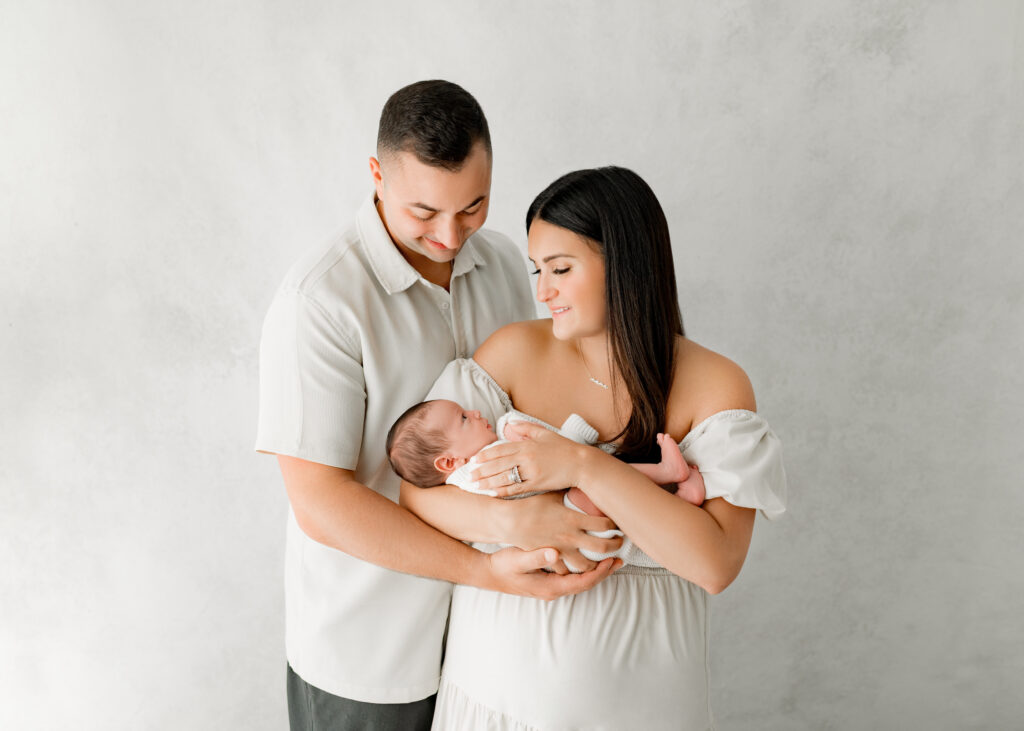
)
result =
(543, 521)
(540, 458)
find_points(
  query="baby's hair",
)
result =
(412, 449)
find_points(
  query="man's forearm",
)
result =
(334, 509)
(458, 513)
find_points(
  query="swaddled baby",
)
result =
(433, 442)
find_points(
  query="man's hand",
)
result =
(521, 572)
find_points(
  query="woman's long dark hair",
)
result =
(618, 213)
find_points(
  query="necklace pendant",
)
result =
(597, 382)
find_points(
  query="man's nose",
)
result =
(450, 235)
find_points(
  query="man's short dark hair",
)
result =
(411, 448)
(437, 121)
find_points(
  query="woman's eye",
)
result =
(535, 271)
(560, 271)
(422, 218)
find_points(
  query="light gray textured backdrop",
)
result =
(844, 186)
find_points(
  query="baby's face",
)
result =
(467, 431)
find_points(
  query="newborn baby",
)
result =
(434, 441)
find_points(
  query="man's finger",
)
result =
(576, 583)
(527, 561)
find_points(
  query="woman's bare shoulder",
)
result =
(708, 382)
(509, 350)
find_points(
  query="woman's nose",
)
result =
(544, 292)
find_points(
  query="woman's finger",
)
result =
(497, 451)
(559, 568)
(596, 524)
(524, 430)
(577, 562)
(507, 490)
(594, 544)
(495, 468)
(502, 484)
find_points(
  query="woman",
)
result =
(632, 652)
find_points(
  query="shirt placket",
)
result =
(445, 305)
(456, 320)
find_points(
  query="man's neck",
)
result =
(432, 271)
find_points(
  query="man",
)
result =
(357, 333)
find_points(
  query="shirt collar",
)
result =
(393, 272)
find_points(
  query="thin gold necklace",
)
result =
(589, 374)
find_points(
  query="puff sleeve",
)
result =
(740, 459)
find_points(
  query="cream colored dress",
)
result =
(631, 653)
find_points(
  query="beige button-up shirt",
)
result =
(353, 337)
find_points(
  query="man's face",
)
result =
(429, 211)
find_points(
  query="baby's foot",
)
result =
(673, 467)
(692, 489)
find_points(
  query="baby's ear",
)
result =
(448, 463)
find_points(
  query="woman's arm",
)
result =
(706, 545)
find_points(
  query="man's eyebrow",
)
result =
(425, 207)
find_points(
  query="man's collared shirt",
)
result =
(354, 337)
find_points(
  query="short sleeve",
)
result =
(312, 390)
(740, 458)
(467, 384)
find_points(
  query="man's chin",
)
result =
(442, 256)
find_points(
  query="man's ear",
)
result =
(375, 174)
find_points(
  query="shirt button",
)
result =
(444, 305)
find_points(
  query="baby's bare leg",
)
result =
(579, 498)
(692, 489)
(673, 469)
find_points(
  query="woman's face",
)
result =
(570, 280)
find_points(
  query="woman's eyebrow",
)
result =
(546, 259)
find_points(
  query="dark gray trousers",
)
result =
(312, 709)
